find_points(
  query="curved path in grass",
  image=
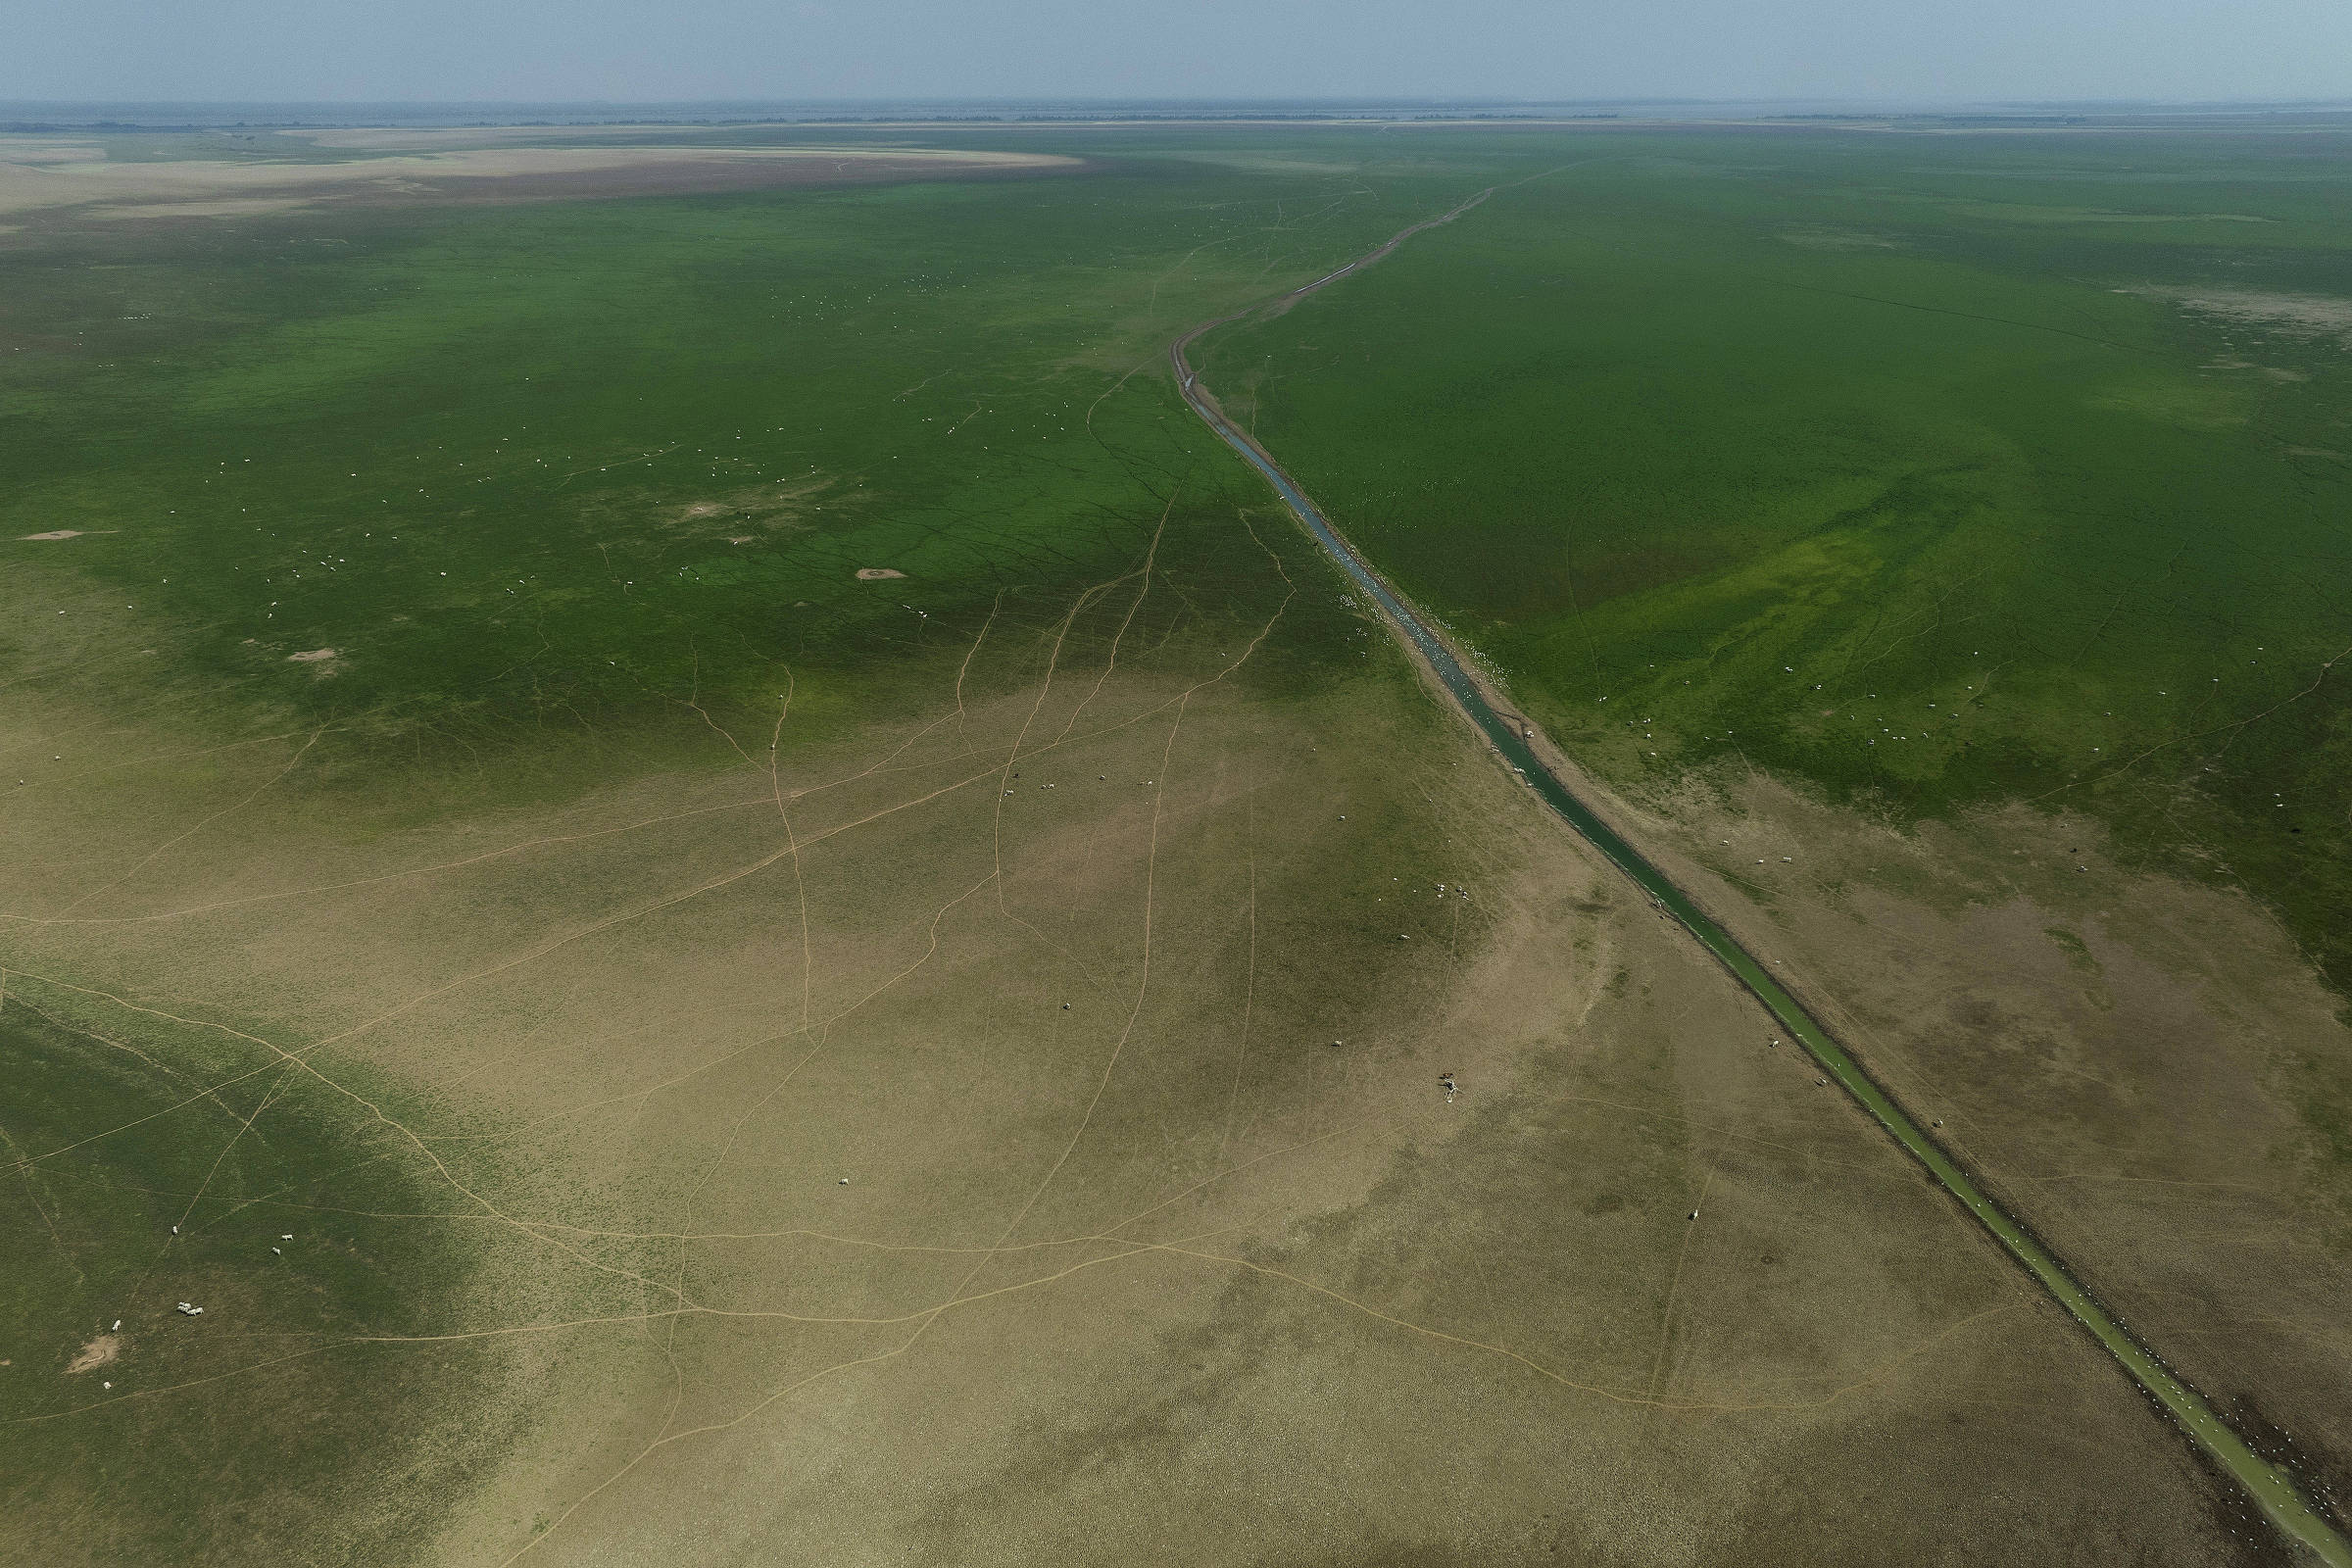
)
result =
(2272, 1489)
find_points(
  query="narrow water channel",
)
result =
(2271, 1487)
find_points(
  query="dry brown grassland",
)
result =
(2140, 1065)
(932, 1147)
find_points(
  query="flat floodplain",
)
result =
(1987, 484)
(748, 902)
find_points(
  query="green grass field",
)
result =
(1934, 472)
(564, 462)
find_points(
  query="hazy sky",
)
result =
(445, 50)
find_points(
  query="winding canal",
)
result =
(2279, 1500)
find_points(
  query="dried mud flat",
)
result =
(217, 188)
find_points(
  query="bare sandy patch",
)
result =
(217, 188)
(2142, 1066)
(244, 207)
(433, 138)
(44, 150)
(766, 508)
(104, 1351)
(2269, 372)
(2305, 315)
(53, 533)
(313, 657)
(876, 573)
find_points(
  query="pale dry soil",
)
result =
(930, 1147)
(2140, 1066)
(65, 178)
(99, 1351)
(2309, 316)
